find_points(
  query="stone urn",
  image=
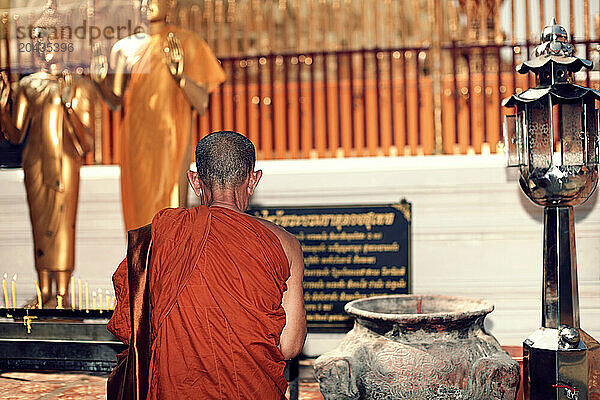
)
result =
(418, 347)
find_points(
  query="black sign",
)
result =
(349, 253)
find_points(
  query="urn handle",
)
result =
(335, 378)
(495, 378)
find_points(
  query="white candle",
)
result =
(72, 293)
(39, 294)
(5, 292)
(14, 292)
(87, 297)
(80, 294)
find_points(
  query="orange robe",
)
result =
(216, 282)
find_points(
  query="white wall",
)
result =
(100, 233)
(474, 233)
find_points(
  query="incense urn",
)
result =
(418, 347)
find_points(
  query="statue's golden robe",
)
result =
(157, 125)
(52, 157)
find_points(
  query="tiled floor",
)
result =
(82, 386)
(309, 391)
(51, 385)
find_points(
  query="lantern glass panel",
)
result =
(591, 133)
(572, 135)
(539, 133)
(510, 141)
(521, 135)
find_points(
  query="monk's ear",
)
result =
(253, 181)
(194, 180)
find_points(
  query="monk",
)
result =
(224, 290)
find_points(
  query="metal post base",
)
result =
(553, 370)
(560, 361)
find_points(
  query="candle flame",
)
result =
(14, 277)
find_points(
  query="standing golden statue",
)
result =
(164, 73)
(51, 109)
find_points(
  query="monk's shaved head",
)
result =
(224, 159)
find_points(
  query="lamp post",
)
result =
(553, 140)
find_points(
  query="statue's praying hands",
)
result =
(195, 92)
(174, 56)
(99, 63)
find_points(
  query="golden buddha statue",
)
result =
(52, 109)
(157, 77)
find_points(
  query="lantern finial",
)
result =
(555, 61)
(555, 41)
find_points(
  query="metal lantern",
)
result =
(553, 139)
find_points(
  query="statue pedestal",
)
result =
(67, 340)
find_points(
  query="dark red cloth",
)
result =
(216, 282)
(129, 379)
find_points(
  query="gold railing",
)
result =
(330, 78)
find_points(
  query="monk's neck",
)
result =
(230, 199)
(226, 205)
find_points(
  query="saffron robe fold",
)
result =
(216, 282)
(129, 379)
